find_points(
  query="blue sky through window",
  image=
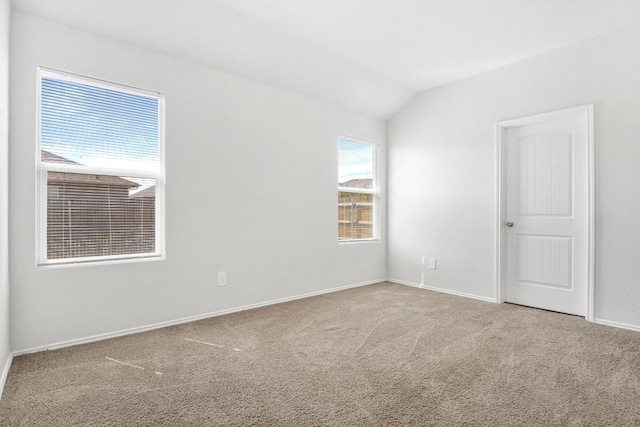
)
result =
(100, 126)
(96, 126)
(355, 160)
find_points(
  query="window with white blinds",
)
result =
(357, 194)
(101, 171)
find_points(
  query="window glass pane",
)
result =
(355, 164)
(355, 216)
(96, 126)
(101, 170)
(99, 215)
(357, 196)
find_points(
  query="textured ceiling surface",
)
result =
(371, 56)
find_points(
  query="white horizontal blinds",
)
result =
(356, 189)
(98, 126)
(355, 216)
(98, 216)
(100, 156)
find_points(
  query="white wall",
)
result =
(442, 163)
(5, 345)
(251, 189)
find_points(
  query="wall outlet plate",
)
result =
(222, 278)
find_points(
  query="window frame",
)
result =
(43, 168)
(374, 191)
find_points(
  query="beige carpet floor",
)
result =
(380, 355)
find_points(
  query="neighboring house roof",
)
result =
(358, 183)
(149, 192)
(49, 157)
(80, 178)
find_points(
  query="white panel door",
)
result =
(547, 215)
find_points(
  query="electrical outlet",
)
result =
(222, 278)
(432, 263)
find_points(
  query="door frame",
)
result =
(501, 208)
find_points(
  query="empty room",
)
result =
(310, 213)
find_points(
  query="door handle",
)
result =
(509, 224)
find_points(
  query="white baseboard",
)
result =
(604, 322)
(124, 332)
(617, 324)
(5, 373)
(442, 290)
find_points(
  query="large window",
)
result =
(100, 171)
(357, 194)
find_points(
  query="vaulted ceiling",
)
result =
(371, 56)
